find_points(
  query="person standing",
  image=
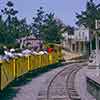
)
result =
(50, 50)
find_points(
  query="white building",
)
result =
(79, 41)
(68, 41)
(97, 37)
(82, 34)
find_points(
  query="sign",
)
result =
(97, 26)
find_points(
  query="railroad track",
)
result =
(70, 88)
(61, 87)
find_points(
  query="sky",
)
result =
(63, 9)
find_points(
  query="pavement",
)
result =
(81, 85)
(30, 91)
(70, 55)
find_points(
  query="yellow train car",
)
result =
(14, 68)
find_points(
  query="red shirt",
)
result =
(50, 50)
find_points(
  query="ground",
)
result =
(53, 84)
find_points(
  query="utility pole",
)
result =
(97, 26)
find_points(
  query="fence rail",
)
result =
(12, 69)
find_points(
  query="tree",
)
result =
(38, 21)
(2, 30)
(9, 14)
(88, 17)
(52, 29)
(22, 28)
(70, 30)
(47, 27)
(11, 27)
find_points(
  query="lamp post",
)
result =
(97, 26)
(97, 55)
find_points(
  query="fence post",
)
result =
(28, 63)
(50, 58)
(14, 65)
(0, 74)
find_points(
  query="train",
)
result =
(16, 67)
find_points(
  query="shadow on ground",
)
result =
(13, 88)
(8, 93)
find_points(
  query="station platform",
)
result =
(87, 90)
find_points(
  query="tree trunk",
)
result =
(90, 45)
(90, 35)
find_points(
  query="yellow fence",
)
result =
(9, 70)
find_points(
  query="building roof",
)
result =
(30, 37)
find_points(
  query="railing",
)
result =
(93, 88)
(12, 69)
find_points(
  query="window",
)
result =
(79, 34)
(83, 34)
(85, 38)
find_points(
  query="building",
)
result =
(68, 42)
(77, 42)
(29, 42)
(81, 37)
(97, 39)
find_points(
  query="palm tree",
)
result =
(88, 17)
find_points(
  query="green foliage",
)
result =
(47, 27)
(70, 30)
(38, 21)
(88, 17)
(52, 30)
(11, 28)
